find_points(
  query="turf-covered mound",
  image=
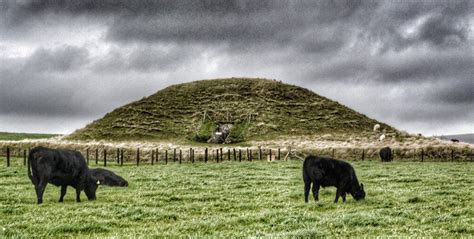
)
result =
(251, 108)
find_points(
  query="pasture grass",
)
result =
(247, 199)
(21, 136)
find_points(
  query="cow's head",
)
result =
(359, 193)
(91, 186)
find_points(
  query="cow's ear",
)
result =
(362, 186)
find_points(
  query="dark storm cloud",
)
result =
(145, 59)
(36, 84)
(454, 92)
(442, 30)
(417, 50)
(424, 66)
(64, 58)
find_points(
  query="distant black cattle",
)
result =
(107, 177)
(386, 154)
(455, 140)
(63, 168)
(322, 171)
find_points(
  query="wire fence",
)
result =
(103, 155)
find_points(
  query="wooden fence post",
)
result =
(152, 156)
(8, 156)
(240, 155)
(363, 154)
(260, 153)
(452, 155)
(221, 154)
(250, 154)
(138, 156)
(180, 155)
(24, 157)
(235, 155)
(121, 157)
(96, 156)
(422, 154)
(174, 155)
(105, 157)
(279, 154)
(205, 155)
(118, 156)
(228, 154)
(217, 155)
(192, 155)
(166, 156)
(87, 156)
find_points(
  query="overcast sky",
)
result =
(406, 63)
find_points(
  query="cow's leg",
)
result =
(343, 195)
(315, 191)
(307, 186)
(40, 189)
(338, 193)
(63, 192)
(78, 195)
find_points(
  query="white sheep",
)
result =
(376, 127)
(382, 137)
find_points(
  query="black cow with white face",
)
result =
(323, 171)
(63, 168)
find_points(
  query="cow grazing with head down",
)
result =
(63, 168)
(107, 177)
(386, 154)
(322, 171)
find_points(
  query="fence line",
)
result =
(153, 156)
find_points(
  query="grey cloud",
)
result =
(42, 83)
(446, 20)
(454, 92)
(145, 59)
(63, 58)
(441, 30)
(421, 65)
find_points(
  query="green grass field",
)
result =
(253, 199)
(20, 136)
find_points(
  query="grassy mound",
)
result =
(258, 109)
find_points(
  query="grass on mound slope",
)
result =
(258, 108)
(248, 199)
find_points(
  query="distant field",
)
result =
(20, 136)
(414, 199)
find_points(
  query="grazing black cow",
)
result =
(322, 171)
(107, 177)
(63, 168)
(455, 140)
(386, 154)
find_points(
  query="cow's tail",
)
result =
(31, 157)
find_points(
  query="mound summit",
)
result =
(255, 109)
